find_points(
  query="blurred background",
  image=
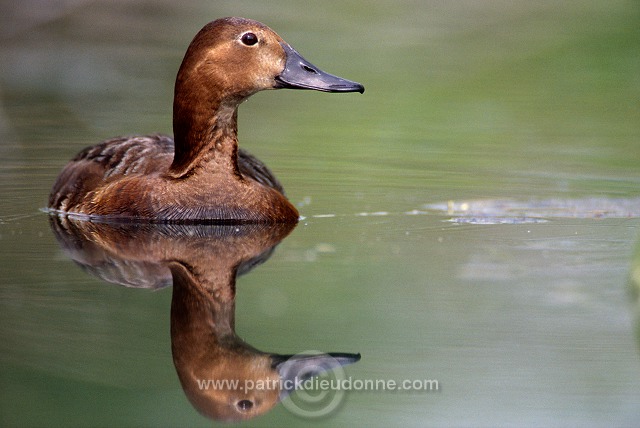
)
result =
(528, 324)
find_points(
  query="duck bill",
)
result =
(294, 370)
(299, 73)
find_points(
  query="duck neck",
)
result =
(205, 132)
(202, 308)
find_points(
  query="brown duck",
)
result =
(200, 176)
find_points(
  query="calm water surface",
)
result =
(523, 306)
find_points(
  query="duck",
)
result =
(200, 175)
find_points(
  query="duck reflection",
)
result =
(224, 377)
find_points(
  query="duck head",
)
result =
(229, 60)
(239, 57)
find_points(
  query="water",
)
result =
(530, 109)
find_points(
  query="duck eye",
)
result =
(245, 405)
(249, 39)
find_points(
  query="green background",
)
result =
(529, 324)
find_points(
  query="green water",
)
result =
(530, 323)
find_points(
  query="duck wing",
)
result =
(252, 167)
(107, 161)
(140, 155)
